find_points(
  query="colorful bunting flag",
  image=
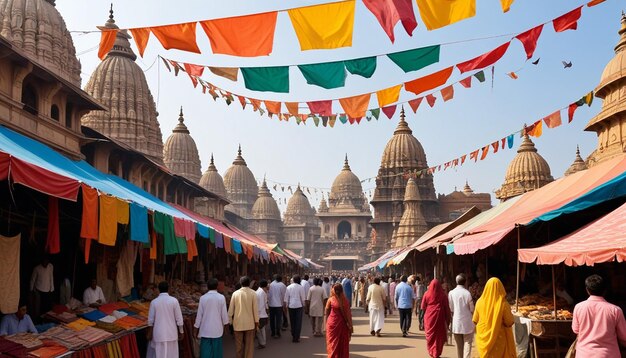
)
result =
(568, 21)
(431, 100)
(292, 108)
(529, 40)
(141, 36)
(447, 93)
(436, 13)
(495, 145)
(244, 36)
(466, 82)
(355, 106)
(513, 75)
(389, 111)
(485, 150)
(266, 79)
(179, 36)
(595, 2)
(570, 112)
(375, 112)
(484, 60)
(364, 67)
(413, 60)
(429, 82)
(230, 73)
(553, 120)
(506, 5)
(322, 108)
(480, 76)
(474, 155)
(536, 129)
(390, 12)
(326, 75)
(388, 95)
(415, 103)
(324, 26)
(107, 40)
(272, 107)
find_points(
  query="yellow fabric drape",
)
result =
(107, 230)
(324, 26)
(388, 95)
(123, 212)
(356, 106)
(440, 13)
(506, 5)
(493, 319)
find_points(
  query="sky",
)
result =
(286, 153)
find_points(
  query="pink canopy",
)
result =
(603, 240)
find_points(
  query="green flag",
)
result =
(375, 112)
(413, 60)
(326, 75)
(364, 67)
(267, 79)
(343, 118)
(480, 76)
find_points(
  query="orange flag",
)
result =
(474, 155)
(179, 36)
(245, 36)
(355, 106)
(292, 107)
(447, 93)
(388, 96)
(536, 129)
(141, 36)
(272, 106)
(506, 5)
(429, 82)
(226, 72)
(553, 120)
(595, 2)
(484, 153)
(415, 103)
(107, 39)
(89, 221)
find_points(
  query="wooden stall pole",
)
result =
(553, 292)
(517, 281)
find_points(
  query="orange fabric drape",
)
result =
(388, 95)
(192, 249)
(179, 36)
(484, 153)
(123, 212)
(108, 220)
(429, 82)
(141, 36)
(292, 107)
(447, 93)
(89, 221)
(431, 100)
(245, 36)
(272, 106)
(107, 40)
(536, 129)
(256, 104)
(153, 245)
(440, 13)
(568, 21)
(230, 73)
(356, 106)
(227, 244)
(595, 2)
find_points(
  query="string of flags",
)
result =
(323, 26)
(355, 108)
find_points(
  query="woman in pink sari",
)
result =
(338, 324)
(436, 319)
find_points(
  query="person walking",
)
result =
(392, 294)
(493, 320)
(306, 284)
(262, 305)
(276, 296)
(294, 302)
(338, 324)
(376, 304)
(462, 307)
(346, 283)
(244, 317)
(600, 325)
(404, 301)
(211, 319)
(385, 285)
(165, 325)
(436, 318)
(357, 294)
(315, 303)
(420, 290)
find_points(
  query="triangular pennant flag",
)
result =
(506, 5)
(536, 129)
(484, 60)
(178, 36)
(568, 21)
(480, 76)
(242, 100)
(324, 121)
(447, 93)
(331, 120)
(141, 36)
(495, 145)
(485, 150)
(503, 145)
(588, 98)
(553, 120)
(194, 71)
(529, 40)
(390, 110)
(466, 82)
(292, 107)
(358, 120)
(474, 155)
(431, 100)
(509, 140)
(463, 158)
(375, 112)
(415, 103)
(272, 106)
(570, 112)
(256, 104)
(323, 108)
(167, 64)
(107, 40)
(512, 75)
(351, 120)
(316, 120)
(343, 119)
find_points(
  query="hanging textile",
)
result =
(203, 231)
(272, 107)
(364, 67)
(324, 26)
(292, 108)
(89, 217)
(153, 245)
(192, 249)
(506, 5)
(529, 40)
(568, 21)
(141, 36)
(390, 110)
(536, 129)
(323, 108)
(388, 96)
(390, 12)
(509, 140)
(415, 103)
(53, 241)
(326, 75)
(122, 211)
(438, 13)
(266, 79)
(139, 223)
(230, 73)
(179, 36)
(375, 113)
(124, 278)
(553, 120)
(10, 273)
(429, 82)
(413, 60)
(355, 106)
(466, 82)
(484, 60)
(108, 220)
(570, 112)
(480, 76)
(484, 152)
(431, 100)
(107, 40)
(447, 93)
(244, 36)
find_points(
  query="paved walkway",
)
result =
(391, 344)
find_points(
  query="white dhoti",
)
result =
(377, 319)
(167, 349)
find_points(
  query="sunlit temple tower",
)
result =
(526, 172)
(344, 223)
(242, 191)
(120, 85)
(180, 153)
(300, 226)
(266, 220)
(578, 165)
(412, 224)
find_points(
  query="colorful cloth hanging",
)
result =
(364, 67)
(89, 217)
(388, 96)
(53, 241)
(326, 75)
(529, 40)
(390, 12)
(230, 73)
(245, 36)
(447, 93)
(139, 223)
(484, 60)
(415, 103)
(506, 5)
(568, 21)
(266, 79)
(272, 107)
(179, 36)
(389, 111)
(413, 60)
(108, 220)
(466, 82)
(553, 120)
(438, 13)
(141, 36)
(107, 40)
(324, 26)
(323, 108)
(355, 106)
(122, 212)
(429, 82)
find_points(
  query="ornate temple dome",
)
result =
(241, 186)
(36, 27)
(212, 181)
(412, 224)
(299, 211)
(578, 165)
(120, 84)
(614, 70)
(323, 206)
(265, 207)
(467, 190)
(403, 150)
(180, 153)
(528, 171)
(346, 186)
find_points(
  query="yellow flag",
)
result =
(440, 13)
(506, 5)
(324, 26)
(388, 96)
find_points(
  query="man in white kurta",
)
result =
(462, 308)
(165, 325)
(376, 305)
(262, 305)
(211, 319)
(316, 301)
(93, 295)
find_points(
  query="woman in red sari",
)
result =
(436, 318)
(338, 324)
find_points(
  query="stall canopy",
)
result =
(603, 240)
(538, 202)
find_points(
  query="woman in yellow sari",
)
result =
(493, 320)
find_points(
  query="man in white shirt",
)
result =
(165, 325)
(462, 307)
(93, 295)
(211, 320)
(294, 301)
(42, 287)
(375, 301)
(315, 302)
(276, 296)
(262, 304)
(244, 316)
(306, 284)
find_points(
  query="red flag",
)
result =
(463, 158)
(386, 14)
(431, 100)
(242, 100)
(389, 110)
(570, 112)
(512, 75)
(447, 165)
(553, 120)
(407, 15)
(484, 153)
(474, 154)
(323, 108)
(193, 71)
(504, 143)
(594, 3)
(568, 21)
(484, 60)
(529, 40)
(358, 120)
(447, 93)
(53, 241)
(466, 82)
(415, 103)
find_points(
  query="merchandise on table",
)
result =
(537, 307)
